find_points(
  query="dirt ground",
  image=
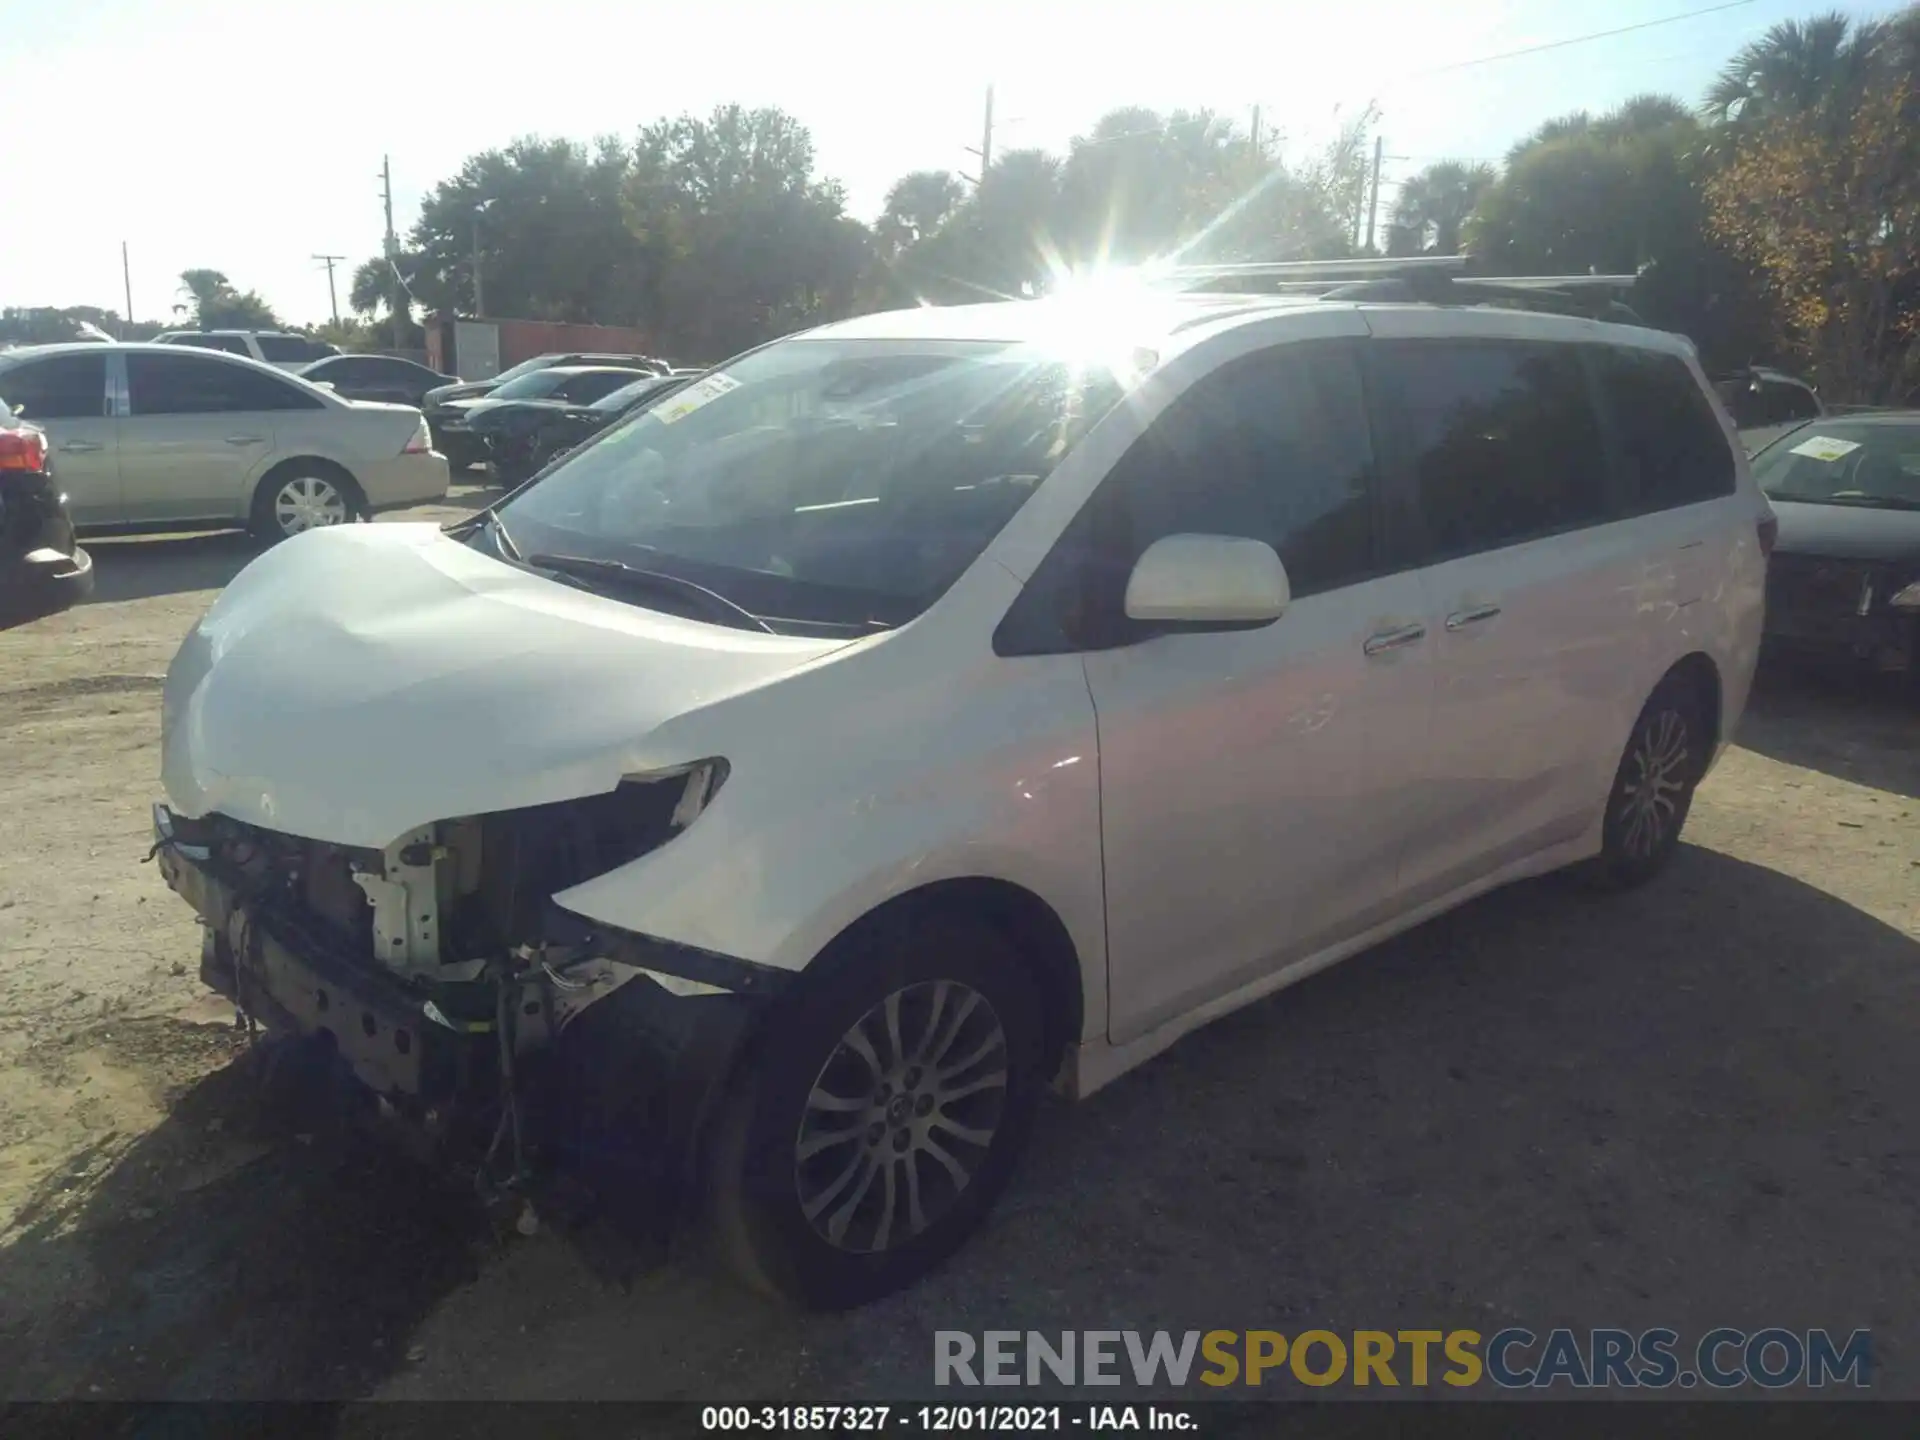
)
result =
(1688, 1106)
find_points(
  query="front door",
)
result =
(66, 396)
(197, 434)
(1253, 780)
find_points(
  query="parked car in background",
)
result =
(560, 384)
(461, 451)
(377, 377)
(270, 347)
(42, 568)
(1845, 576)
(158, 437)
(935, 705)
(1765, 404)
(523, 435)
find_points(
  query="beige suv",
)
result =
(152, 437)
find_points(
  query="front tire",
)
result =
(1665, 760)
(883, 1116)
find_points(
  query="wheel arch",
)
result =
(1028, 922)
(1701, 675)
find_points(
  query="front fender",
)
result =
(785, 860)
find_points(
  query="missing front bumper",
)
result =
(618, 1096)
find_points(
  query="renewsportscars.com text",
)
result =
(1512, 1359)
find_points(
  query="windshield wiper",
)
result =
(587, 567)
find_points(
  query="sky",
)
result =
(248, 135)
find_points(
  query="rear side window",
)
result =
(1672, 449)
(187, 385)
(230, 344)
(287, 347)
(1498, 438)
(61, 387)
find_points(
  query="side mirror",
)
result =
(1208, 580)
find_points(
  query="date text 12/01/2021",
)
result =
(946, 1419)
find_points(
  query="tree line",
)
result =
(1777, 221)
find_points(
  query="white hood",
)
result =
(354, 683)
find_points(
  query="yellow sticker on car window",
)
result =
(701, 392)
(1825, 447)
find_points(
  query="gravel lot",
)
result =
(1689, 1106)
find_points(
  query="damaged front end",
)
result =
(497, 1029)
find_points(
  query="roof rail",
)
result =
(1420, 279)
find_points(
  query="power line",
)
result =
(1578, 39)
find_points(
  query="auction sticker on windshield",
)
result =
(694, 396)
(1825, 447)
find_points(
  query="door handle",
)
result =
(1384, 640)
(246, 440)
(80, 447)
(1460, 619)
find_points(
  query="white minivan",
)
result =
(771, 798)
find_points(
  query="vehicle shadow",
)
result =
(1853, 726)
(1664, 1108)
(143, 567)
(230, 1253)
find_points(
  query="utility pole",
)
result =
(1256, 132)
(333, 297)
(397, 297)
(479, 286)
(126, 279)
(986, 138)
(1373, 199)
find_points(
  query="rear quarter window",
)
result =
(1671, 450)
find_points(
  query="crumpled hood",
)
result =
(356, 682)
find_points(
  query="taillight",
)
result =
(23, 450)
(421, 442)
(1769, 529)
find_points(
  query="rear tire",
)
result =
(304, 496)
(883, 1115)
(1665, 759)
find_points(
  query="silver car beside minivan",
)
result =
(158, 437)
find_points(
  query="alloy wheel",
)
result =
(308, 502)
(901, 1116)
(1658, 773)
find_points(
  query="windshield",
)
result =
(821, 481)
(1836, 463)
(535, 385)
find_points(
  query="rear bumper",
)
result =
(44, 582)
(405, 480)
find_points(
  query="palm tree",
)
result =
(1642, 115)
(1797, 67)
(1438, 201)
(206, 289)
(917, 205)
